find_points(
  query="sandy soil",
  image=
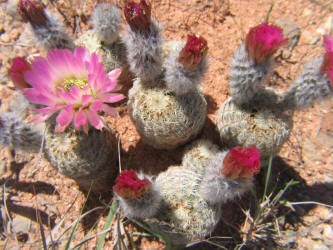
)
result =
(307, 157)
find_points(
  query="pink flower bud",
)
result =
(263, 41)
(32, 12)
(195, 49)
(241, 163)
(19, 66)
(327, 66)
(138, 16)
(129, 186)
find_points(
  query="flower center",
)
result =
(72, 81)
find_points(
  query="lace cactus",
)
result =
(255, 115)
(165, 103)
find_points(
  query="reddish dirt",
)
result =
(307, 157)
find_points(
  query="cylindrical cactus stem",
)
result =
(185, 66)
(252, 62)
(314, 83)
(47, 27)
(18, 135)
(107, 21)
(143, 41)
(229, 174)
(137, 195)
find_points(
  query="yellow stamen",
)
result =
(72, 81)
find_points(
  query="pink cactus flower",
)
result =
(263, 41)
(129, 186)
(327, 66)
(73, 84)
(16, 72)
(138, 16)
(328, 43)
(195, 49)
(32, 12)
(241, 163)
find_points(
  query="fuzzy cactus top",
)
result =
(143, 41)
(314, 83)
(129, 186)
(252, 63)
(47, 27)
(137, 195)
(229, 174)
(186, 65)
(32, 13)
(241, 163)
(107, 21)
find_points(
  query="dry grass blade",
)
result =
(4, 198)
(57, 227)
(39, 221)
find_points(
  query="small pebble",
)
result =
(308, 38)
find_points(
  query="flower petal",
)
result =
(80, 119)
(64, 118)
(110, 111)
(95, 120)
(113, 97)
(35, 96)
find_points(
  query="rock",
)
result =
(11, 8)
(320, 246)
(307, 12)
(292, 32)
(328, 232)
(5, 37)
(21, 227)
(308, 38)
(324, 140)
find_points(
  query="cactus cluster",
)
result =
(255, 115)
(71, 90)
(188, 206)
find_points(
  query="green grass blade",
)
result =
(113, 208)
(165, 239)
(268, 174)
(132, 242)
(269, 12)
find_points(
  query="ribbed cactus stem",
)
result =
(143, 41)
(186, 66)
(312, 85)
(107, 21)
(46, 26)
(137, 195)
(18, 135)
